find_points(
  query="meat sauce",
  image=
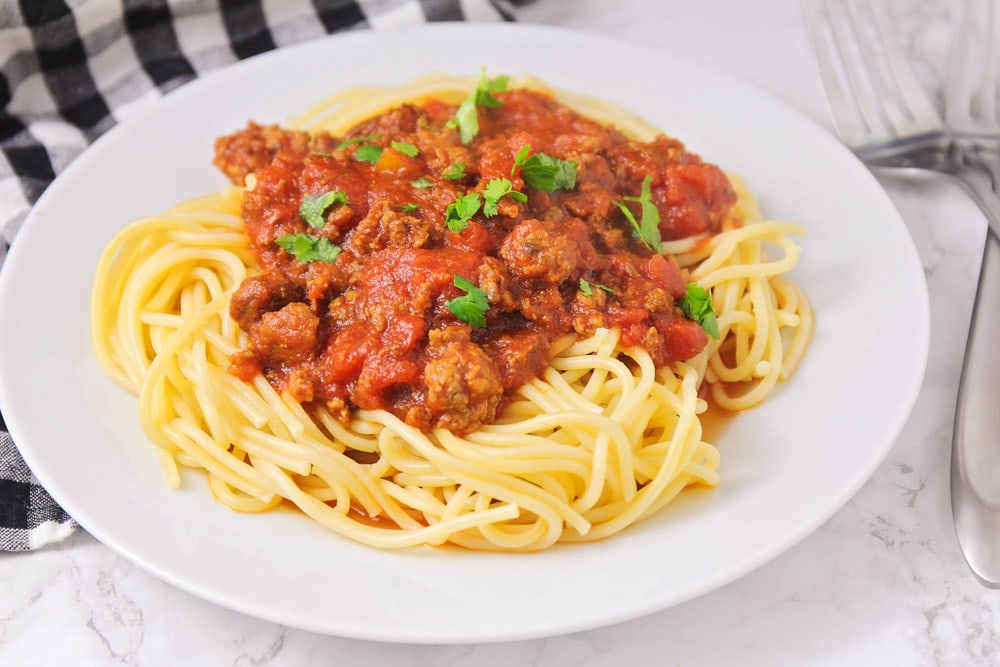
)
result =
(373, 328)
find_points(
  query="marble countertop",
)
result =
(882, 582)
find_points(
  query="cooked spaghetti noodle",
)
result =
(601, 439)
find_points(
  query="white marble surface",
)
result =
(881, 583)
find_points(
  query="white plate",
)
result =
(786, 467)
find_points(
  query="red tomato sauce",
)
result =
(373, 328)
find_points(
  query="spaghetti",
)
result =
(601, 438)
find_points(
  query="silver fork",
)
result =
(975, 465)
(883, 113)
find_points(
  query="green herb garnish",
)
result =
(519, 159)
(368, 153)
(405, 148)
(314, 206)
(544, 172)
(697, 306)
(647, 229)
(455, 171)
(496, 190)
(586, 288)
(309, 248)
(357, 140)
(409, 208)
(458, 214)
(466, 118)
(471, 307)
(421, 182)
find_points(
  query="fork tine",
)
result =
(882, 85)
(970, 110)
(852, 120)
(973, 114)
(873, 91)
(922, 112)
(986, 101)
(961, 64)
(988, 83)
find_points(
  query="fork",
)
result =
(881, 110)
(975, 467)
(883, 113)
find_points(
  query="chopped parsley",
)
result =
(455, 171)
(466, 118)
(458, 213)
(368, 153)
(586, 288)
(697, 306)
(357, 140)
(496, 190)
(647, 228)
(308, 247)
(544, 172)
(471, 307)
(405, 148)
(314, 206)
(421, 182)
(521, 156)
(409, 208)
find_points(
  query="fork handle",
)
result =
(975, 462)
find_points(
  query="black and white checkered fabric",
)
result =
(29, 518)
(71, 69)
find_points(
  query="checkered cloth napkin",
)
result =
(70, 70)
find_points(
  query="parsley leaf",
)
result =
(309, 248)
(405, 148)
(520, 157)
(368, 153)
(697, 306)
(471, 306)
(546, 173)
(421, 182)
(313, 206)
(357, 140)
(458, 214)
(648, 228)
(586, 288)
(466, 118)
(486, 88)
(409, 208)
(455, 171)
(495, 190)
